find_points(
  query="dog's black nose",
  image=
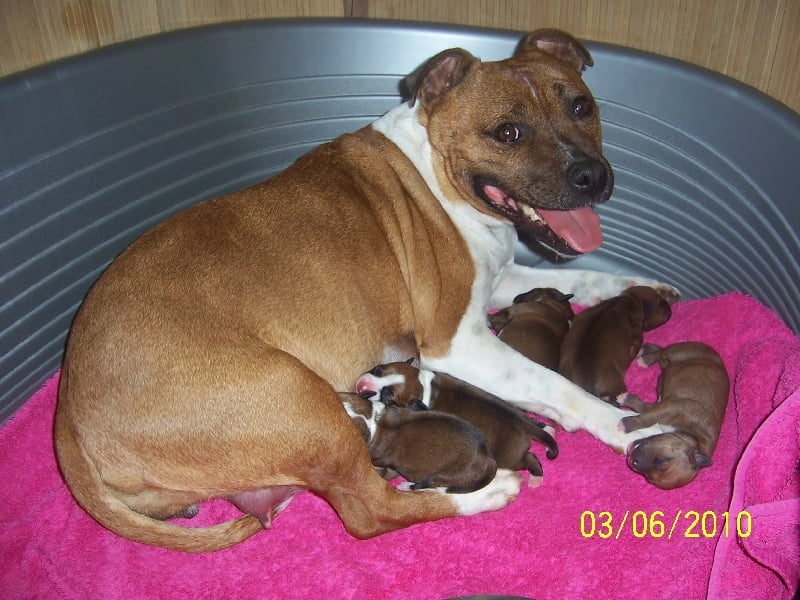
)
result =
(587, 176)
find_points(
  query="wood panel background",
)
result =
(754, 41)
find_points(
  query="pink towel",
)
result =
(593, 529)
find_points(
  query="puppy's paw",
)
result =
(501, 491)
(535, 481)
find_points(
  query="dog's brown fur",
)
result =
(508, 430)
(429, 449)
(692, 396)
(204, 361)
(605, 338)
(535, 325)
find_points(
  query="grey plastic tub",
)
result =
(95, 150)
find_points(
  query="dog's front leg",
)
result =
(478, 357)
(588, 287)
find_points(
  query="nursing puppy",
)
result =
(692, 397)
(605, 338)
(205, 360)
(429, 449)
(535, 325)
(508, 431)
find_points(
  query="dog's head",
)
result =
(519, 139)
(656, 310)
(550, 297)
(667, 460)
(394, 384)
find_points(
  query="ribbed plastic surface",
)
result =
(95, 150)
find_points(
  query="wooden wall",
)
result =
(755, 41)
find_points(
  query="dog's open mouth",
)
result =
(565, 232)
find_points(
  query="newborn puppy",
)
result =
(605, 338)
(508, 430)
(692, 396)
(535, 324)
(429, 449)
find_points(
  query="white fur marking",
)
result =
(496, 495)
(425, 380)
(371, 421)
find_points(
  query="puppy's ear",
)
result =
(559, 44)
(417, 404)
(701, 460)
(438, 75)
(656, 313)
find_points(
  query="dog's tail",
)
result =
(111, 512)
(538, 433)
(648, 354)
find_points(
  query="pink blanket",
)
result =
(593, 529)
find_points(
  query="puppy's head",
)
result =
(363, 411)
(394, 383)
(519, 139)
(667, 460)
(550, 297)
(655, 308)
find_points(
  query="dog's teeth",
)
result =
(529, 212)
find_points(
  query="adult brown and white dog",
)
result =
(205, 360)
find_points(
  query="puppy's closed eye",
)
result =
(662, 463)
(387, 395)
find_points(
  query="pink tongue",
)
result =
(580, 228)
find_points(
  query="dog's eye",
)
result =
(662, 462)
(508, 133)
(377, 371)
(582, 107)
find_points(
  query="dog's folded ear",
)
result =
(559, 44)
(417, 404)
(439, 74)
(701, 460)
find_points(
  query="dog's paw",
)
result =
(535, 481)
(627, 438)
(669, 293)
(499, 492)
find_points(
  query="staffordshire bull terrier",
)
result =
(204, 362)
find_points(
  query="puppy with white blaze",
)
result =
(205, 361)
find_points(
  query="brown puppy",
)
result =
(535, 325)
(508, 430)
(204, 362)
(429, 449)
(692, 396)
(605, 338)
